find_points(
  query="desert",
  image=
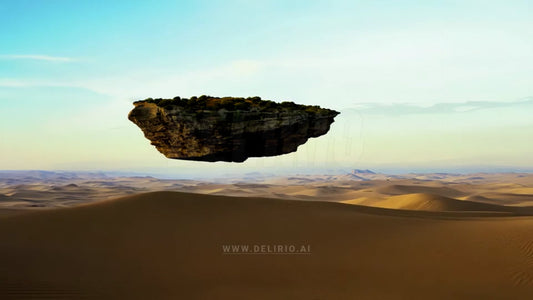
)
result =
(266, 149)
(372, 237)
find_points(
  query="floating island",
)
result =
(228, 129)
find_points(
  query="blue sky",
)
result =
(69, 71)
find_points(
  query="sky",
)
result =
(421, 85)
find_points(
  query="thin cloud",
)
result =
(23, 83)
(437, 108)
(36, 57)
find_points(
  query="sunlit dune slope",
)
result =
(429, 202)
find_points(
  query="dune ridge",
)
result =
(430, 202)
(168, 245)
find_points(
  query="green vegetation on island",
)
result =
(234, 104)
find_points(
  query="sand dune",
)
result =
(168, 245)
(430, 202)
(396, 189)
(36, 190)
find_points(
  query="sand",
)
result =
(37, 190)
(169, 245)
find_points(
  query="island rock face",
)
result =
(228, 129)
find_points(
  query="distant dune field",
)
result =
(170, 245)
(36, 190)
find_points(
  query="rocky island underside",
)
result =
(228, 129)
